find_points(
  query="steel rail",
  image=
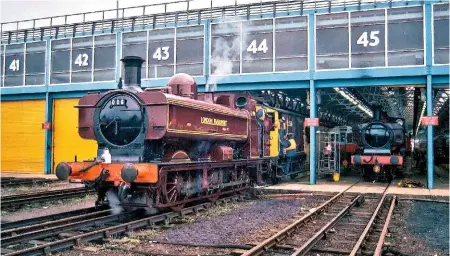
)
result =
(117, 229)
(44, 225)
(379, 248)
(369, 225)
(33, 221)
(18, 200)
(305, 248)
(49, 192)
(282, 234)
(13, 182)
(55, 230)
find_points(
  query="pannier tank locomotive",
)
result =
(165, 147)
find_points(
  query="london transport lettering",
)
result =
(213, 121)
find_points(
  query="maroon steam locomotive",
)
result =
(165, 147)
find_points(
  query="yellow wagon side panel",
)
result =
(67, 143)
(23, 138)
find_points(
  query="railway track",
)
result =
(15, 201)
(347, 224)
(48, 237)
(47, 218)
(14, 182)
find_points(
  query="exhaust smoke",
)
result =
(224, 53)
(114, 202)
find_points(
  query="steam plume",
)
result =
(224, 52)
(114, 202)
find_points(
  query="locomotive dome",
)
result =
(183, 85)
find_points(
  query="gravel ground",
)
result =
(39, 188)
(236, 223)
(420, 228)
(249, 224)
(56, 207)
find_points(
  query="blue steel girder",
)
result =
(374, 95)
(440, 100)
(332, 100)
(396, 101)
(299, 105)
(443, 119)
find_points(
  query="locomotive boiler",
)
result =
(165, 147)
(382, 145)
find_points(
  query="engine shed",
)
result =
(327, 61)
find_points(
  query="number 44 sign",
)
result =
(262, 47)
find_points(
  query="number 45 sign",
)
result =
(369, 38)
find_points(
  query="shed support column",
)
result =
(430, 153)
(312, 133)
(429, 93)
(48, 115)
(312, 97)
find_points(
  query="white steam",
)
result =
(223, 54)
(114, 202)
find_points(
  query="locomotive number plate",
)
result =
(118, 102)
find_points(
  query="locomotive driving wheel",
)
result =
(171, 187)
(213, 180)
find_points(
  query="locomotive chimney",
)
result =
(376, 112)
(131, 72)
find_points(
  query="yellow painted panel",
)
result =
(23, 139)
(67, 143)
(275, 134)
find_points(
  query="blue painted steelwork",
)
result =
(262, 86)
(312, 135)
(326, 79)
(17, 97)
(312, 98)
(429, 92)
(118, 55)
(48, 115)
(430, 153)
(83, 87)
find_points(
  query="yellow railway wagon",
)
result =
(23, 139)
(66, 142)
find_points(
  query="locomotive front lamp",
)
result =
(376, 168)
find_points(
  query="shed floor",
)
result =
(441, 186)
(28, 175)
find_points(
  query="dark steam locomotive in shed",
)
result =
(382, 146)
(165, 147)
